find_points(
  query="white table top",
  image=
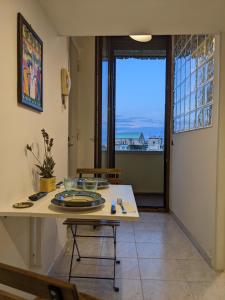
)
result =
(43, 207)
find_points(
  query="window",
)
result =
(140, 103)
(193, 82)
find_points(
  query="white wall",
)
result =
(193, 186)
(86, 101)
(73, 110)
(20, 126)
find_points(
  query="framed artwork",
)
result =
(30, 65)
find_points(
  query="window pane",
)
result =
(140, 104)
(194, 92)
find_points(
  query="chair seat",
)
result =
(91, 222)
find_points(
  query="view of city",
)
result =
(140, 105)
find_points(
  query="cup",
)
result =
(69, 183)
(90, 184)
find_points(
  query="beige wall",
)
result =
(219, 260)
(143, 170)
(193, 185)
(20, 126)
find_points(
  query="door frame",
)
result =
(112, 44)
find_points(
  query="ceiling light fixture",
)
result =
(141, 38)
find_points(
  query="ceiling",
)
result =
(124, 17)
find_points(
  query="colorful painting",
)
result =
(30, 66)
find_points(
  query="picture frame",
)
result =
(29, 66)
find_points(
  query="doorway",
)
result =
(133, 96)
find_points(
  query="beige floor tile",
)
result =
(169, 265)
(156, 226)
(83, 268)
(207, 290)
(130, 289)
(197, 270)
(166, 290)
(90, 230)
(170, 251)
(126, 226)
(167, 236)
(124, 249)
(160, 269)
(87, 246)
(124, 236)
(128, 269)
(160, 217)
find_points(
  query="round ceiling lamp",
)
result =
(141, 38)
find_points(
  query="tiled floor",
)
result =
(158, 262)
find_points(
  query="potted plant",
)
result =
(46, 169)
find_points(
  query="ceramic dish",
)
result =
(77, 199)
(23, 204)
(77, 208)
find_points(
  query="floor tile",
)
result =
(126, 226)
(124, 236)
(124, 249)
(170, 251)
(156, 226)
(161, 269)
(83, 268)
(207, 290)
(197, 270)
(166, 290)
(154, 249)
(128, 269)
(167, 236)
(89, 246)
(153, 216)
(130, 289)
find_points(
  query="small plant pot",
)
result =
(47, 184)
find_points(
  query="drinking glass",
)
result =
(69, 184)
(90, 184)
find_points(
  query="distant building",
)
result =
(134, 138)
(155, 144)
(130, 141)
(121, 147)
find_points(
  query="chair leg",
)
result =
(71, 261)
(114, 261)
(78, 252)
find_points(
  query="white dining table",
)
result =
(43, 207)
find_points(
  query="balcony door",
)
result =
(127, 130)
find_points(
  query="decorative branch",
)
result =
(46, 169)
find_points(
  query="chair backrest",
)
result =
(35, 284)
(112, 174)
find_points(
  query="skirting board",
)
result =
(192, 239)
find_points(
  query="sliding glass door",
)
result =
(122, 109)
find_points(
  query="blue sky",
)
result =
(140, 96)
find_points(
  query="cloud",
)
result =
(137, 122)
